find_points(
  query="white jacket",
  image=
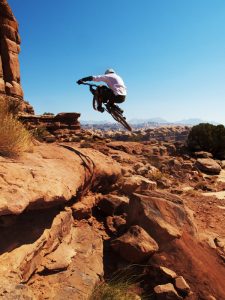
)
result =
(114, 82)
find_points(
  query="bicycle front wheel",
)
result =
(95, 102)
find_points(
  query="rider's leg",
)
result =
(119, 99)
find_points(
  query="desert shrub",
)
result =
(48, 114)
(207, 137)
(112, 291)
(14, 138)
(13, 106)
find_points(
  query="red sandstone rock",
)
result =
(10, 84)
(182, 286)
(113, 204)
(161, 214)
(9, 49)
(52, 175)
(62, 126)
(166, 292)
(136, 183)
(135, 245)
(208, 165)
(75, 259)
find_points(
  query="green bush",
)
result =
(48, 114)
(208, 137)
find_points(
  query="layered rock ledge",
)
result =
(52, 174)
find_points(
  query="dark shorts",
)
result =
(108, 95)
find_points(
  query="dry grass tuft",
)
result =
(122, 285)
(14, 137)
(107, 291)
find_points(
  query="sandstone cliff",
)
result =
(10, 84)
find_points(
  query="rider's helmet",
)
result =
(108, 71)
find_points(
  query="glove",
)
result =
(89, 78)
(79, 81)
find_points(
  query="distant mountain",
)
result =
(151, 120)
(94, 122)
(194, 122)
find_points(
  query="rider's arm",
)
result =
(89, 78)
(100, 78)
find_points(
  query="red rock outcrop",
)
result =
(10, 48)
(10, 84)
(61, 251)
(52, 175)
(61, 127)
(59, 246)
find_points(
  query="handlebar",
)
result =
(90, 84)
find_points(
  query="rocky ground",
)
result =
(72, 214)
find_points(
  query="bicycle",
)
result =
(113, 110)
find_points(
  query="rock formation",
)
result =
(9, 51)
(72, 214)
(10, 84)
(60, 127)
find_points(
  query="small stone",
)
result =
(171, 274)
(182, 285)
(112, 204)
(166, 292)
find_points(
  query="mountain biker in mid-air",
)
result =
(114, 92)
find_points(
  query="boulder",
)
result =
(83, 209)
(131, 147)
(135, 245)
(75, 259)
(208, 165)
(115, 224)
(169, 274)
(136, 183)
(166, 292)
(113, 204)
(203, 154)
(182, 286)
(52, 175)
(162, 215)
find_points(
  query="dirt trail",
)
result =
(200, 265)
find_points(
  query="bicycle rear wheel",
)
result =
(120, 119)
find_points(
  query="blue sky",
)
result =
(170, 53)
